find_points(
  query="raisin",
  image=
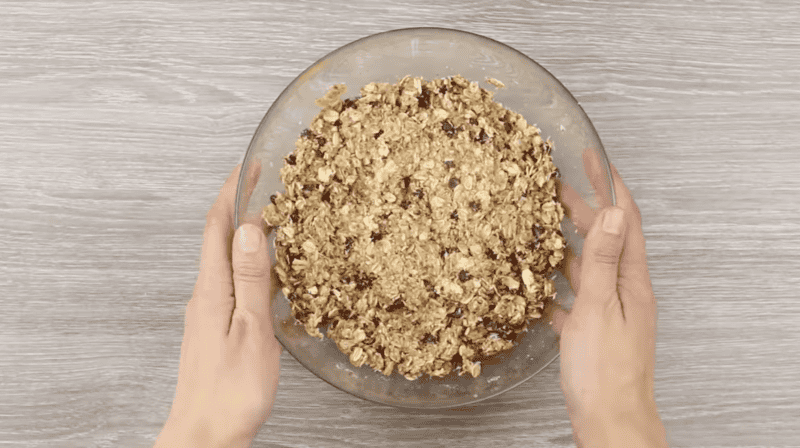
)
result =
(430, 339)
(291, 160)
(345, 314)
(337, 123)
(395, 306)
(350, 103)
(405, 204)
(376, 236)
(556, 174)
(419, 194)
(454, 215)
(482, 137)
(473, 121)
(272, 198)
(449, 164)
(449, 129)
(424, 98)
(406, 182)
(290, 257)
(295, 216)
(378, 134)
(453, 183)
(475, 205)
(492, 255)
(348, 245)
(364, 281)
(308, 188)
(457, 313)
(443, 89)
(464, 275)
(537, 232)
(307, 133)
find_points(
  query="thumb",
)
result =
(600, 258)
(251, 271)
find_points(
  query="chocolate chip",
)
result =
(308, 188)
(345, 314)
(326, 195)
(419, 194)
(406, 182)
(449, 164)
(348, 245)
(376, 236)
(475, 205)
(449, 129)
(424, 98)
(443, 89)
(454, 215)
(395, 306)
(378, 134)
(292, 159)
(321, 141)
(307, 133)
(293, 297)
(464, 275)
(337, 123)
(556, 174)
(295, 216)
(492, 255)
(473, 121)
(482, 137)
(272, 198)
(453, 183)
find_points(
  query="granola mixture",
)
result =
(420, 225)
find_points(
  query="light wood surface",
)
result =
(119, 122)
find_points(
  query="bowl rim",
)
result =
(401, 31)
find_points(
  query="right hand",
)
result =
(608, 338)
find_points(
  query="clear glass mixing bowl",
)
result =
(431, 53)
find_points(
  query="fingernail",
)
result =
(250, 238)
(612, 222)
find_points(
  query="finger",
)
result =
(596, 170)
(250, 183)
(251, 272)
(559, 317)
(576, 209)
(573, 274)
(214, 287)
(634, 274)
(600, 259)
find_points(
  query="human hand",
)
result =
(608, 338)
(230, 358)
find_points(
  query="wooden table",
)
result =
(120, 120)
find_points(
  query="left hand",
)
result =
(230, 358)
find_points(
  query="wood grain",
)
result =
(120, 120)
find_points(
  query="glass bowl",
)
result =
(431, 53)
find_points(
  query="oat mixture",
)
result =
(420, 225)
